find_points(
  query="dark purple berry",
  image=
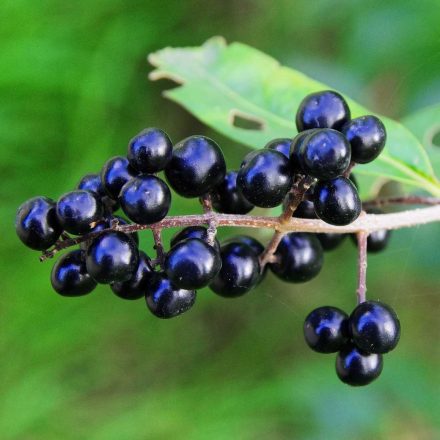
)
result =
(115, 173)
(193, 232)
(281, 145)
(93, 183)
(150, 151)
(36, 223)
(326, 109)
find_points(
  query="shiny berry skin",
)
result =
(325, 154)
(135, 287)
(228, 198)
(367, 137)
(150, 151)
(377, 241)
(265, 179)
(337, 201)
(240, 271)
(36, 223)
(295, 150)
(77, 211)
(326, 109)
(112, 257)
(299, 258)
(282, 145)
(115, 173)
(192, 264)
(123, 221)
(252, 242)
(330, 240)
(326, 329)
(145, 199)
(193, 232)
(196, 167)
(69, 275)
(374, 327)
(165, 300)
(93, 183)
(357, 368)
(305, 209)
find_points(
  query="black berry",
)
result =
(295, 150)
(337, 201)
(374, 327)
(192, 264)
(36, 223)
(325, 154)
(135, 287)
(196, 167)
(326, 109)
(193, 232)
(330, 241)
(265, 179)
(112, 257)
(115, 173)
(240, 270)
(165, 300)
(326, 329)
(356, 368)
(299, 258)
(252, 242)
(77, 211)
(228, 198)
(367, 136)
(281, 145)
(145, 199)
(69, 275)
(150, 151)
(93, 183)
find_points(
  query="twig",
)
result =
(349, 169)
(404, 200)
(206, 202)
(367, 223)
(158, 245)
(362, 237)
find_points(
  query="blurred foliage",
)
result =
(73, 90)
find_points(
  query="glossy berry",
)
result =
(135, 287)
(265, 179)
(240, 271)
(282, 145)
(357, 368)
(305, 209)
(299, 258)
(199, 232)
(295, 150)
(337, 201)
(36, 223)
(377, 241)
(330, 241)
(367, 136)
(228, 198)
(93, 183)
(252, 242)
(122, 221)
(150, 151)
(325, 154)
(115, 173)
(375, 327)
(192, 264)
(77, 211)
(166, 300)
(326, 109)
(326, 329)
(69, 275)
(196, 167)
(112, 257)
(145, 199)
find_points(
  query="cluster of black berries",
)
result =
(360, 340)
(328, 143)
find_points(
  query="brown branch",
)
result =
(362, 237)
(158, 245)
(404, 200)
(349, 170)
(367, 223)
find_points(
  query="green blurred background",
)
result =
(73, 90)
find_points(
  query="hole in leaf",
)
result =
(245, 121)
(435, 140)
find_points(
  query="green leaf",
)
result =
(229, 85)
(425, 125)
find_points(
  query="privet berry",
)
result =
(265, 178)
(282, 145)
(196, 166)
(193, 232)
(192, 263)
(115, 173)
(36, 223)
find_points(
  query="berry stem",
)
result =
(349, 169)
(366, 223)
(158, 245)
(362, 266)
(206, 202)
